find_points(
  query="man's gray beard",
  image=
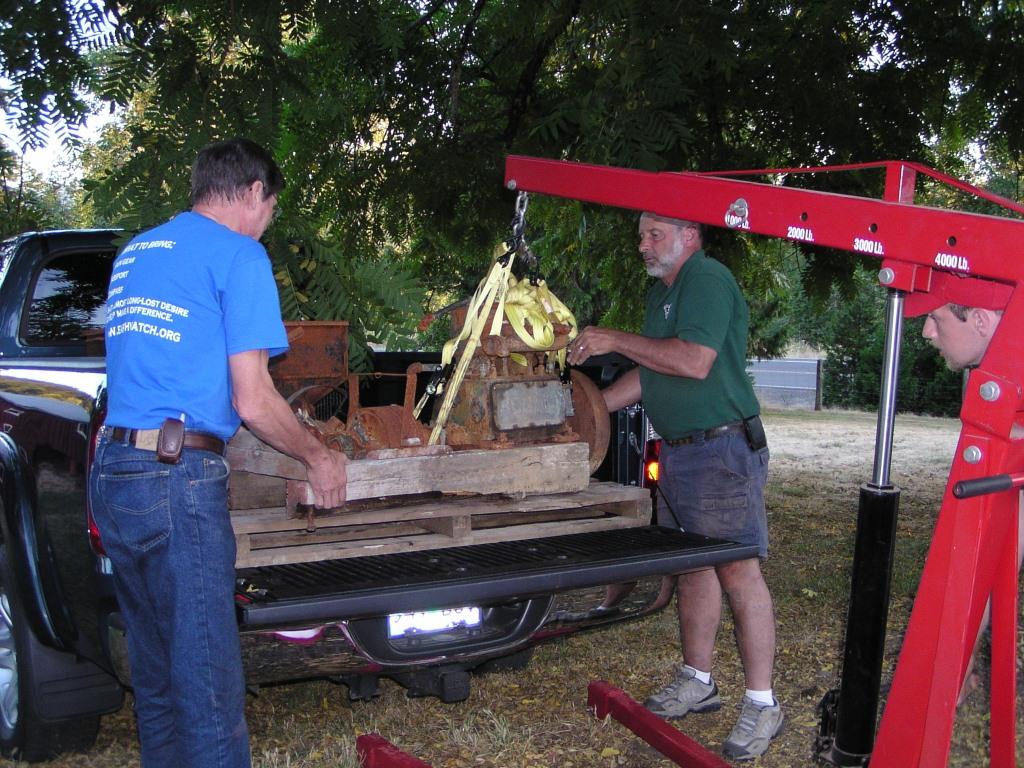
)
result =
(657, 270)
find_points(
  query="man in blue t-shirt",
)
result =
(192, 318)
(691, 376)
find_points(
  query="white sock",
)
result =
(704, 677)
(764, 698)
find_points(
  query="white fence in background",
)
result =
(787, 382)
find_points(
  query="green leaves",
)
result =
(318, 281)
(391, 118)
(42, 54)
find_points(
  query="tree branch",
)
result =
(456, 79)
(434, 7)
(528, 78)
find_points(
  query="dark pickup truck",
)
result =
(62, 642)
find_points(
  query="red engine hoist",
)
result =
(973, 554)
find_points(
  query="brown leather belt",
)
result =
(708, 434)
(146, 439)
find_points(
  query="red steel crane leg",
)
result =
(1004, 656)
(604, 699)
(377, 752)
(972, 557)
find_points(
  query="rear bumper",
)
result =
(334, 650)
(481, 574)
(328, 618)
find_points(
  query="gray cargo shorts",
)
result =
(715, 488)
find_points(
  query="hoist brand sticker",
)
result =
(952, 261)
(800, 233)
(736, 216)
(863, 245)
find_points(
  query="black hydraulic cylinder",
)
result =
(856, 707)
(846, 735)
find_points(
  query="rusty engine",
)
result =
(512, 395)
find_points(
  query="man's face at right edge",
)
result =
(958, 341)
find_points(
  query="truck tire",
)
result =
(23, 734)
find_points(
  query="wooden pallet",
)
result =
(271, 537)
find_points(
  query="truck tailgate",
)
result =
(476, 574)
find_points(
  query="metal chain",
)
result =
(517, 243)
(519, 220)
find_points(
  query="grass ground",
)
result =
(537, 718)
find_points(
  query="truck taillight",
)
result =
(95, 540)
(651, 450)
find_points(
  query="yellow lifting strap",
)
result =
(538, 306)
(489, 293)
(521, 302)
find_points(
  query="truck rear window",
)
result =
(68, 299)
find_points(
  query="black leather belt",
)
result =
(147, 438)
(708, 434)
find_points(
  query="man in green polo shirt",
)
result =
(691, 377)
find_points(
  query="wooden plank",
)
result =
(553, 468)
(455, 528)
(549, 468)
(241, 547)
(388, 545)
(247, 453)
(623, 500)
(480, 522)
(247, 490)
(278, 539)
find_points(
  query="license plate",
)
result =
(417, 622)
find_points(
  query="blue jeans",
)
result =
(167, 531)
(715, 488)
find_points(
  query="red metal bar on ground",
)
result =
(377, 752)
(604, 699)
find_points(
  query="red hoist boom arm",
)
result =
(973, 554)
